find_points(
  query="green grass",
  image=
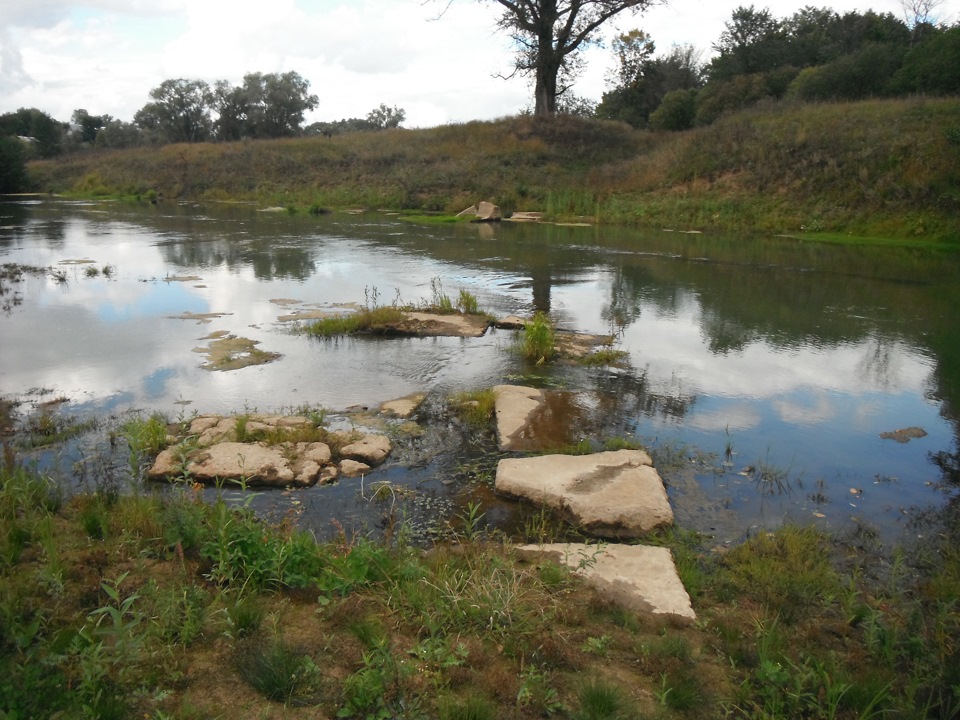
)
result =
(365, 320)
(279, 671)
(475, 407)
(537, 343)
(598, 699)
(168, 606)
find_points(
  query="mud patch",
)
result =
(229, 352)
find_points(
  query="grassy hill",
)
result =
(883, 168)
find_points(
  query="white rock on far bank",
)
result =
(616, 494)
(638, 577)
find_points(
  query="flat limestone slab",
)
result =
(615, 494)
(425, 324)
(252, 463)
(639, 577)
(515, 407)
(532, 420)
(403, 407)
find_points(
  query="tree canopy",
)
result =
(267, 105)
(549, 34)
(816, 54)
(180, 111)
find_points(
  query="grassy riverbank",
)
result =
(882, 169)
(157, 604)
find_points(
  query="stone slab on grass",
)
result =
(639, 577)
(615, 494)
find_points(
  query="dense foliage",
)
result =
(814, 55)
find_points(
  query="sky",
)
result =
(106, 55)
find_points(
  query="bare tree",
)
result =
(919, 16)
(549, 34)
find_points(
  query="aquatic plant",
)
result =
(467, 303)
(538, 340)
(604, 356)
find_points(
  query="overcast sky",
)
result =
(106, 55)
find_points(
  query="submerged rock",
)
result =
(638, 577)
(232, 353)
(614, 494)
(904, 435)
(403, 407)
(529, 419)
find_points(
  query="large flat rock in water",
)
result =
(529, 419)
(427, 324)
(615, 494)
(251, 463)
(639, 577)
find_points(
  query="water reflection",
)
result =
(793, 355)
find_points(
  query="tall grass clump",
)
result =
(279, 671)
(475, 407)
(145, 437)
(538, 340)
(598, 699)
(365, 320)
(467, 303)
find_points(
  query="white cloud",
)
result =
(106, 55)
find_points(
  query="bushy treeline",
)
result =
(270, 105)
(816, 54)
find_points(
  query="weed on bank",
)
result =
(162, 605)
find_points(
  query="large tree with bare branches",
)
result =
(549, 35)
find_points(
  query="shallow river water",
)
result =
(770, 367)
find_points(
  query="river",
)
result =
(768, 368)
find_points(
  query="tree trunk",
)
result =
(547, 63)
(545, 94)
